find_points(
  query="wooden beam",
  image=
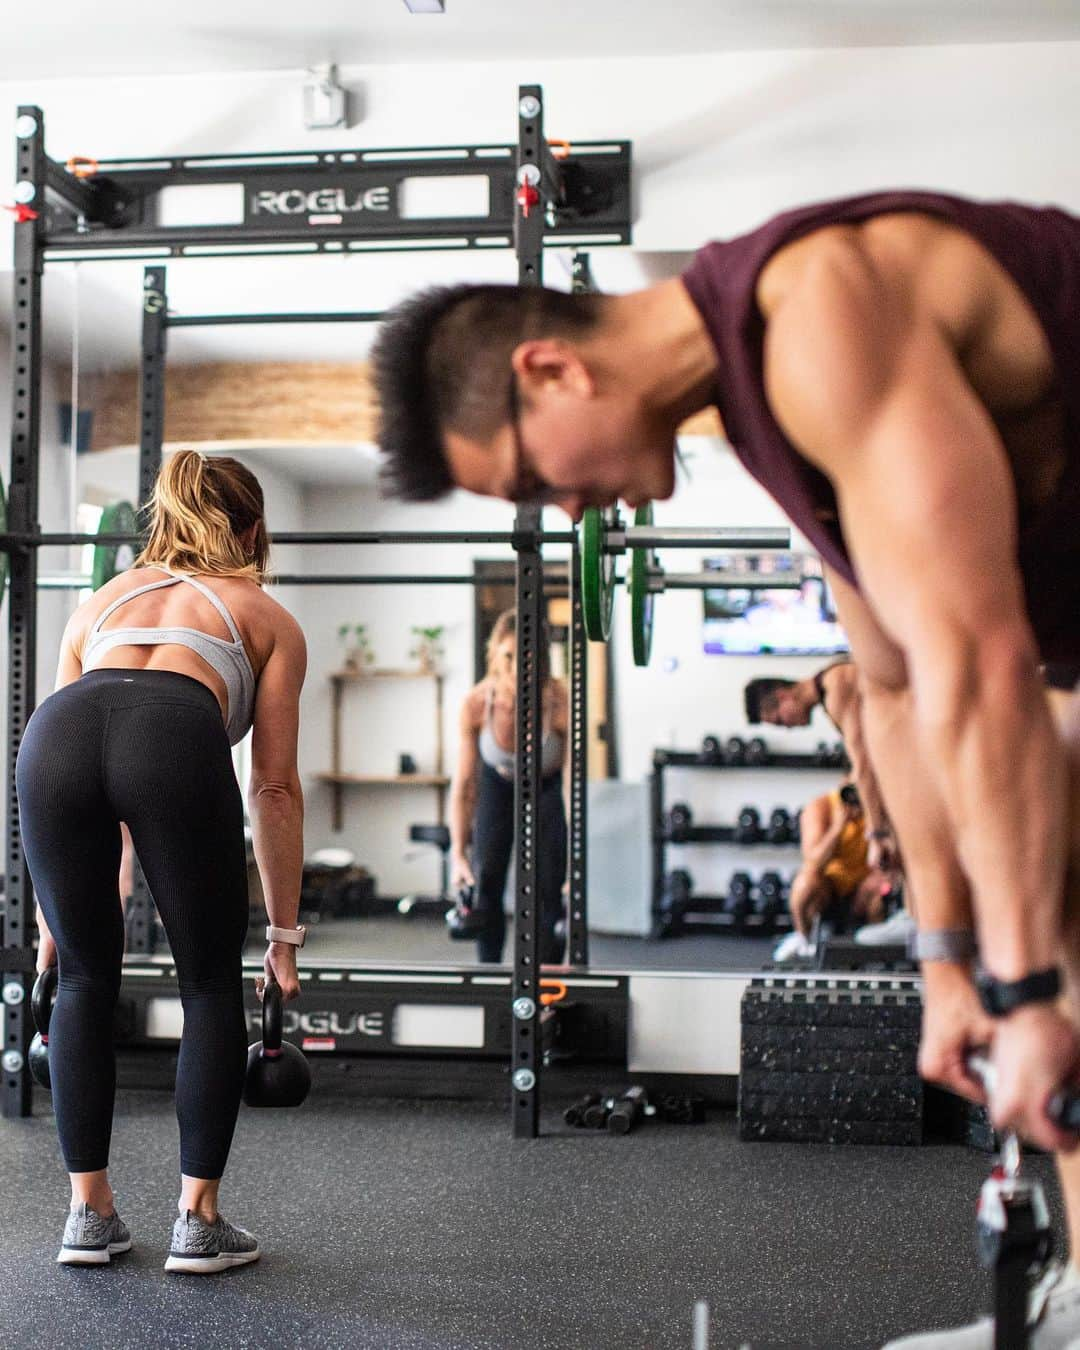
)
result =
(306, 402)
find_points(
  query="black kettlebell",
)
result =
(465, 923)
(277, 1072)
(42, 998)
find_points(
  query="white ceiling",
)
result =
(72, 38)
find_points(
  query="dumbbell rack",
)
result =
(711, 916)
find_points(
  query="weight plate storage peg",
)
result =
(643, 566)
(112, 559)
(277, 1072)
(597, 572)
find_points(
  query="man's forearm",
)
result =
(1002, 773)
(939, 895)
(277, 833)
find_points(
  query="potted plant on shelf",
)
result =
(359, 654)
(427, 648)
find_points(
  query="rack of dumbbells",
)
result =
(752, 904)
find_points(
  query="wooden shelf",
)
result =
(344, 676)
(392, 780)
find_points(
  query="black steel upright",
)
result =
(22, 589)
(577, 928)
(525, 1066)
(152, 380)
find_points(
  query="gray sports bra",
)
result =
(502, 760)
(229, 659)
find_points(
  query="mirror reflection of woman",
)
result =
(482, 794)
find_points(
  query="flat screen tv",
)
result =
(747, 621)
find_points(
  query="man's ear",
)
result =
(549, 365)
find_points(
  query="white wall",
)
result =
(720, 141)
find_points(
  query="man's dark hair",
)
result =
(442, 362)
(757, 691)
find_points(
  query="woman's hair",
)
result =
(506, 627)
(201, 506)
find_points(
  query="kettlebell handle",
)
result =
(272, 1019)
(42, 998)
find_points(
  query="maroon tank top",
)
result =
(1039, 247)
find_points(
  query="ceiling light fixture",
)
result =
(426, 6)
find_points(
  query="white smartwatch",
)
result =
(295, 937)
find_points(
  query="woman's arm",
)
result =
(463, 793)
(275, 797)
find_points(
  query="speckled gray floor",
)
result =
(422, 938)
(399, 1226)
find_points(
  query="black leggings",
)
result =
(492, 844)
(148, 748)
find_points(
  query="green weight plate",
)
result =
(643, 562)
(112, 559)
(597, 575)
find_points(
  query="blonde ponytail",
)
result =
(200, 507)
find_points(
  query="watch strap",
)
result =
(295, 937)
(1001, 997)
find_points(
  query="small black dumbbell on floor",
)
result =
(575, 1114)
(628, 1111)
(781, 828)
(680, 822)
(748, 826)
(740, 896)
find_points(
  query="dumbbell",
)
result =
(735, 750)
(595, 1117)
(680, 822)
(575, 1114)
(678, 887)
(796, 826)
(740, 890)
(628, 1111)
(770, 896)
(823, 755)
(757, 752)
(681, 1110)
(711, 750)
(748, 826)
(839, 755)
(781, 826)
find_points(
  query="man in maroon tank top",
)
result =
(902, 372)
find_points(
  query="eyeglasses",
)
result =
(526, 484)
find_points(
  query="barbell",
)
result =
(604, 537)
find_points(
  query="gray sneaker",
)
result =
(201, 1248)
(90, 1240)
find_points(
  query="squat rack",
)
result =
(343, 202)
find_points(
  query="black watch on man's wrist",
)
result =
(1001, 997)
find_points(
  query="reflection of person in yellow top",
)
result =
(835, 870)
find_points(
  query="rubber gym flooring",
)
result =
(408, 1226)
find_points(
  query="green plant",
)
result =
(427, 647)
